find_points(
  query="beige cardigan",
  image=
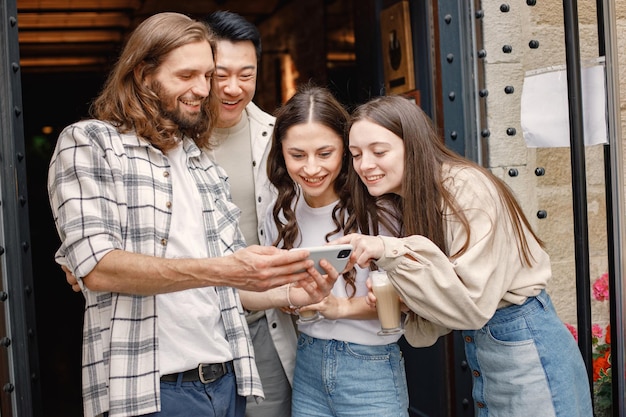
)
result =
(464, 292)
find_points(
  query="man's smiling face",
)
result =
(235, 79)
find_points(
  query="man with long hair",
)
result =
(148, 229)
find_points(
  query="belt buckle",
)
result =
(207, 381)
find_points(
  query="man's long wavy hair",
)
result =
(310, 104)
(130, 105)
(426, 199)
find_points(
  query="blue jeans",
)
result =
(215, 399)
(335, 378)
(525, 362)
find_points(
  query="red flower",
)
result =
(601, 287)
(601, 363)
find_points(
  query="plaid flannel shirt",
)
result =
(113, 191)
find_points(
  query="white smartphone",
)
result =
(337, 255)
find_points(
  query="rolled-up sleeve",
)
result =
(84, 199)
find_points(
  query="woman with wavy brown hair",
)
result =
(343, 367)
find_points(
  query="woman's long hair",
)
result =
(132, 106)
(309, 104)
(425, 198)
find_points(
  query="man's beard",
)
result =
(190, 124)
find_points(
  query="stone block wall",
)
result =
(551, 192)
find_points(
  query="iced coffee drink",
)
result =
(387, 303)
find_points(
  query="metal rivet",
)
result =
(450, 57)
(485, 133)
(15, 66)
(17, 111)
(25, 246)
(3, 295)
(479, 14)
(454, 135)
(534, 44)
(504, 8)
(22, 200)
(482, 53)
(8, 387)
(1, 250)
(20, 156)
(507, 49)
(539, 171)
(28, 290)
(483, 93)
(509, 89)
(513, 172)
(531, 2)
(448, 19)
(451, 96)
(542, 214)
(511, 131)
(5, 341)
(12, 21)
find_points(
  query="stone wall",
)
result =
(551, 192)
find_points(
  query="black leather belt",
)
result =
(205, 373)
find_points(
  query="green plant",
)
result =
(601, 344)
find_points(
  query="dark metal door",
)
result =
(19, 371)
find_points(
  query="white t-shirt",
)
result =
(314, 224)
(190, 324)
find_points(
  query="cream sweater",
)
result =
(463, 293)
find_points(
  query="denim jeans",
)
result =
(335, 378)
(525, 362)
(215, 399)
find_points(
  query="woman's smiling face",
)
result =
(377, 157)
(313, 154)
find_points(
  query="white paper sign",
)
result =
(545, 114)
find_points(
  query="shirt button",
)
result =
(468, 339)
(163, 241)
(168, 204)
(253, 163)
(166, 174)
(395, 252)
(476, 373)
(274, 325)
(480, 405)
(264, 134)
(259, 199)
